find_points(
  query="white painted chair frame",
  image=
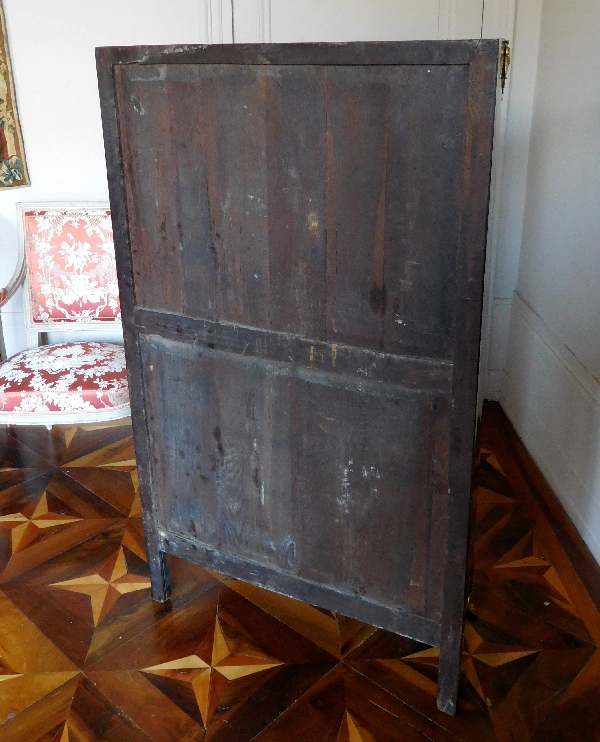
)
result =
(33, 329)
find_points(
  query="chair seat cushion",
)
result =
(64, 378)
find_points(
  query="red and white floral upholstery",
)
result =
(68, 265)
(71, 269)
(86, 381)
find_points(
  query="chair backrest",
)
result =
(71, 276)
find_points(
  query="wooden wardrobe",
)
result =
(300, 233)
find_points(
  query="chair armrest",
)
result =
(9, 291)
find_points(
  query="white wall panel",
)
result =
(554, 403)
(552, 387)
(468, 19)
(353, 20)
(519, 23)
(52, 49)
(560, 261)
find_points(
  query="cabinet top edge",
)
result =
(462, 52)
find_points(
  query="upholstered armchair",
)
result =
(67, 268)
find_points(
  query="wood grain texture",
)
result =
(262, 485)
(470, 260)
(227, 660)
(287, 206)
(293, 207)
(337, 358)
(161, 588)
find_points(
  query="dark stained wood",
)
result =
(161, 588)
(296, 195)
(271, 579)
(470, 259)
(280, 668)
(331, 359)
(300, 234)
(390, 272)
(355, 53)
(233, 492)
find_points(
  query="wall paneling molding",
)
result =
(447, 19)
(264, 21)
(554, 403)
(217, 21)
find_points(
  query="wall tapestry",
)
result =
(13, 170)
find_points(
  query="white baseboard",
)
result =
(497, 345)
(554, 403)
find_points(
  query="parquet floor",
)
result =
(85, 654)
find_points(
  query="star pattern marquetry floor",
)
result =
(86, 656)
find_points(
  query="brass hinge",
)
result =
(504, 63)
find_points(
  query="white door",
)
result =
(355, 20)
(251, 21)
(363, 20)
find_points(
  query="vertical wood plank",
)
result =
(149, 151)
(356, 181)
(426, 145)
(234, 113)
(483, 72)
(295, 140)
(190, 216)
(110, 81)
